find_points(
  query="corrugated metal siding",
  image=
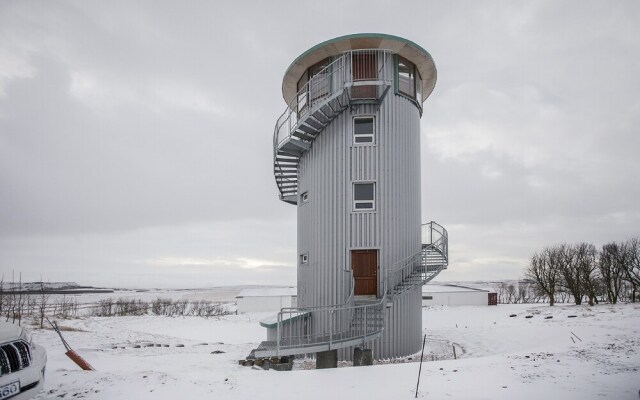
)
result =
(328, 228)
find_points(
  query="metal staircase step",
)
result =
(320, 118)
(280, 158)
(312, 125)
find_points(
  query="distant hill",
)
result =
(51, 288)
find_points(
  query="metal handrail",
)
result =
(441, 244)
(298, 336)
(326, 85)
(434, 236)
(337, 321)
(330, 81)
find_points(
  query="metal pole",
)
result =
(330, 328)
(420, 370)
(278, 334)
(365, 323)
(431, 232)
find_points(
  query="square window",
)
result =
(364, 196)
(363, 129)
(304, 258)
(304, 197)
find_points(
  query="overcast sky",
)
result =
(135, 137)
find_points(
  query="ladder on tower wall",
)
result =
(303, 330)
(326, 95)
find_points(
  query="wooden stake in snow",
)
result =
(454, 352)
(420, 370)
(576, 336)
(75, 357)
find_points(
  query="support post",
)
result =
(330, 328)
(327, 359)
(362, 357)
(278, 332)
(365, 324)
(420, 370)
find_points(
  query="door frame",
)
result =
(376, 269)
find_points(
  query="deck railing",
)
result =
(435, 236)
(328, 326)
(365, 72)
(333, 326)
(417, 268)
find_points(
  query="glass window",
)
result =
(418, 87)
(304, 258)
(318, 87)
(304, 197)
(406, 77)
(363, 129)
(302, 93)
(364, 196)
(319, 80)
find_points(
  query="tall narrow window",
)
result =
(363, 129)
(363, 68)
(418, 87)
(319, 84)
(364, 196)
(319, 80)
(406, 77)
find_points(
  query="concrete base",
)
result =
(327, 359)
(362, 357)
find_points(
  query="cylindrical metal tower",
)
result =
(347, 154)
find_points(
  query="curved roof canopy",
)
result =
(405, 48)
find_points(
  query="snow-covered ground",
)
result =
(595, 354)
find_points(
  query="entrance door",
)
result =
(363, 67)
(364, 264)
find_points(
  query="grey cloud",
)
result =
(132, 132)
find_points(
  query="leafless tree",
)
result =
(18, 301)
(562, 294)
(612, 261)
(525, 293)
(512, 294)
(632, 269)
(543, 271)
(587, 266)
(571, 277)
(42, 305)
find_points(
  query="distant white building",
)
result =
(266, 299)
(454, 295)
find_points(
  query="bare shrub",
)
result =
(130, 307)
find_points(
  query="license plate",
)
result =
(9, 389)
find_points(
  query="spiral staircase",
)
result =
(341, 84)
(304, 330)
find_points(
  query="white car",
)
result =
(22, 363)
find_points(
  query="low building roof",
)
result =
(434, 288)
(268, 292)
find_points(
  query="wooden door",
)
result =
(364, 264)
(364, 68)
